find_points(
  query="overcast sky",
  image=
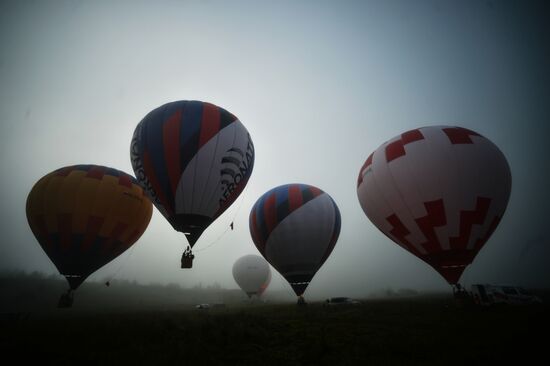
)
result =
(318, 84)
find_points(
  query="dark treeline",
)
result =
(28, 292)
(36, 292)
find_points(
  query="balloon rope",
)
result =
(228, 227)
(212, 243)
(290, 291)
(123, 264)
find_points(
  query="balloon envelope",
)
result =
(295, 228)
(252, 274)
(84, 216)
(193, 159)
(439, 192)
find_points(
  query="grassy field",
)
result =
(419, 331)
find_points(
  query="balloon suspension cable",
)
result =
(229, 227)
(123, 264)
(290, 291)
(188, 251)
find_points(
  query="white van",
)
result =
(492, 295)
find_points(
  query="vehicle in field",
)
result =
(486, 295)
(335, 301)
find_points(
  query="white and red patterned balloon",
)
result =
(439, 192)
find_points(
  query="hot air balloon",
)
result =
(193, 159)
(439, 192)
(84, 216)
(295, 228)
(252, 274)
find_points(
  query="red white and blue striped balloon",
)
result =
(295, 228)
(439, 192)
(193, 159)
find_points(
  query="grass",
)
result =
(419, 331)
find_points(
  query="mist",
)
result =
(318, 84)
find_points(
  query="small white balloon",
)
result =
(252, 274)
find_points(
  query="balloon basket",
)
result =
(66, 300)
(187, 259)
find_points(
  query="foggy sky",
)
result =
(318, 84)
